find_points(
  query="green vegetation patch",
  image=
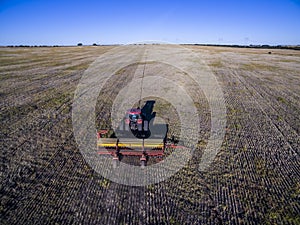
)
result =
(258, 67)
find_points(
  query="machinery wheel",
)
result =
(139, 126)
(146, 125)
(143, 163)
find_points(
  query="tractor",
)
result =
(134, 137)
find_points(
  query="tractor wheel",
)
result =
(139, 126)
(146, 125)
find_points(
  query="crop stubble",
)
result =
(254, 179)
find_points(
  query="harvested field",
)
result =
(255, 178)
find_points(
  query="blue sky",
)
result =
(41, 22)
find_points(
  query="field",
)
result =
(255, 178)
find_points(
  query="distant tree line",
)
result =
(293, 47)
(39, 46)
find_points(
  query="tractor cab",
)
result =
(135, 120)
(134, 115)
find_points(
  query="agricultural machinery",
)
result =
(137, 135)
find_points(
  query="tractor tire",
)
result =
(140, 127)
(146, 125)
